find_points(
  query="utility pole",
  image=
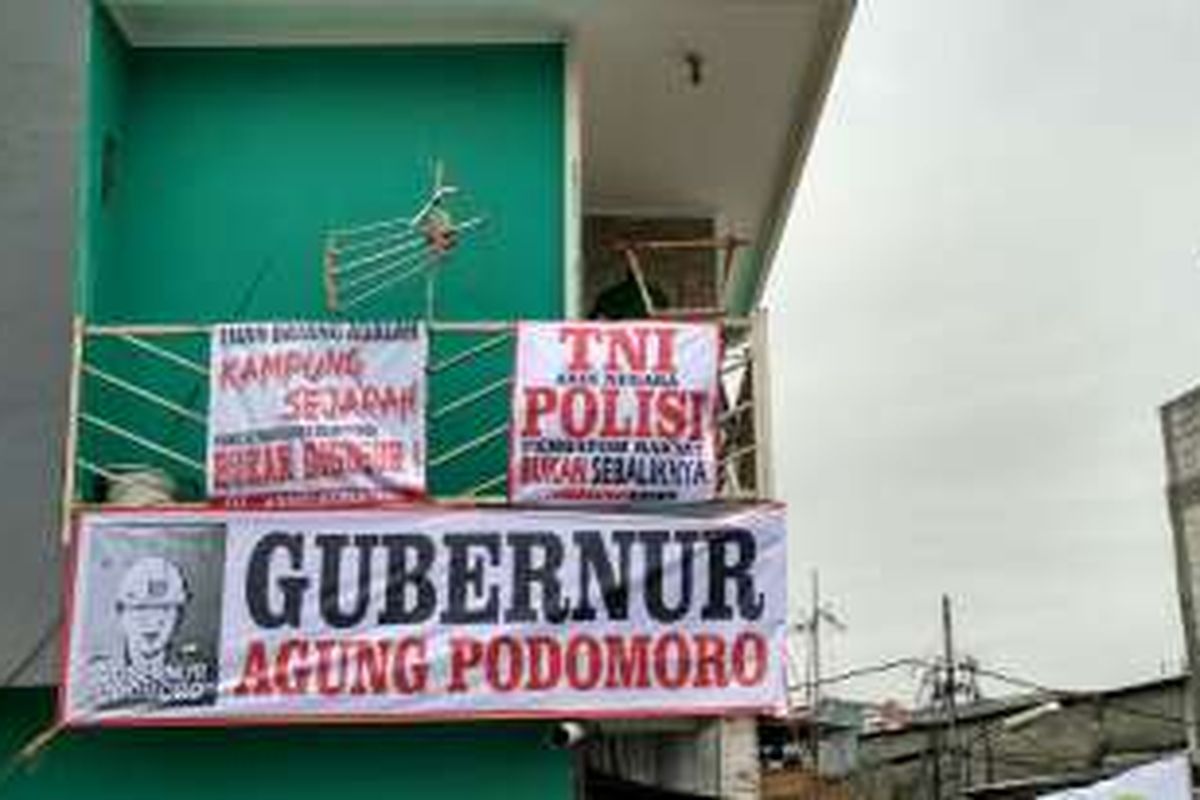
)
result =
(949, 691)
(949, 678)
(812, 626)
(814, 698)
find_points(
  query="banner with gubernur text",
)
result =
(424, 613)
(313, 412)
(615, 412)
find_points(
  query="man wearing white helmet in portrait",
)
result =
(151, 668)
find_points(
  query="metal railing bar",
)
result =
(146, 394)
(470, 398)
(149, 444)
(737, 453)
(740, 408)
(469, 353)
(422, 265)
(493, 326)
(165, 354)
(174, 504)
(479, 488)
(735, 364)
(96, 469)
(468, 446)
(108, 474)
(435, 326)
(147, 330)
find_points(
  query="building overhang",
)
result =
(682, 107)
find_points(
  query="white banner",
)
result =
(615, 412)
(424, 613)
(1167, 779)
(316, 412)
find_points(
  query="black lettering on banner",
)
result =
(331, 546)
(467, 574)
(750, 603)
(401, 575)
(594, 562)
(258, 581)
(654, 543)
(525, 574)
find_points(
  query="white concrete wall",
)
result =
(41, 79)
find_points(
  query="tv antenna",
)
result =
(362, 261)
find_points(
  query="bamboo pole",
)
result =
(71, 440)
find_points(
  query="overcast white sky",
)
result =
(989, 283)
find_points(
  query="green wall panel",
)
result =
(107, 97)
(420, 761)
(235, 162)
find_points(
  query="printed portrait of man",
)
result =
(152, 620)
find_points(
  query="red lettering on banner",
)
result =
(252, 465)
(539, 400)
(644, 397)
(256, 677)
(577, 338)
(622, 340)
(585, 412)
(506, 663)
(336, 458)
(611, 428)
(554, 469)
(332, 403)
(591, 662)
(292, 678)
(370, 667)
(627, 665)
(710, 661)
(626, 347)
(573, 424)
(465, 654)
(340, 666)
(495, 676)
(663, 663)
(545, 663)
(758, 669)
(410, 670)
(236, 373)
(325, 667)
(671, 412)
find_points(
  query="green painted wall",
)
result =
(235, 162)
(232, 163)
(421, 761)
(107, 97)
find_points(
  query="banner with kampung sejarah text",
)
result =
(314, 412)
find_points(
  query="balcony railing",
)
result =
(139, 400)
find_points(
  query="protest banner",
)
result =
(307, 413)
(1165, 779)
(227, 616)
(615, 412)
